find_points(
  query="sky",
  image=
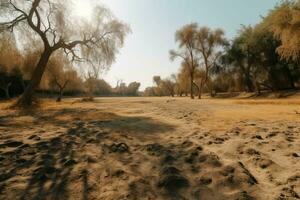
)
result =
(154, 23)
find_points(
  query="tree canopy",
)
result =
(52, 22)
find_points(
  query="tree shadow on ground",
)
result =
(108, 120)
(47, 165)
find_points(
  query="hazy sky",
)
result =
(154, 22)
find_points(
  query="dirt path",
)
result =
(152, 148)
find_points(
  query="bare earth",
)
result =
(152, 148)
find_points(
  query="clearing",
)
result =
(151, 148)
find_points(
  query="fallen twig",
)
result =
(252, 179)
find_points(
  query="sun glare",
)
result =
(83, 8)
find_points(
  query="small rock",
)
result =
(258, 137)
(295, 155)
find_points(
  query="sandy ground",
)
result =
(152, 148)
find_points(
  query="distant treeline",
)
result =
(13, 84)
(60, 78)
(261, 57)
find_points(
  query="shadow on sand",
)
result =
(46, 165)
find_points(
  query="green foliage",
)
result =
(261, 57)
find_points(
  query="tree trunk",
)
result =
(257, 88)
(290, 77)
(200, 90)
(61, 90)
(212, 93)
(191, 89)
(5, 88)
(58, 98)
(60, 95)
(248, 83)
(26, 98)
(7, 93)
(246, 78)
(23, 84)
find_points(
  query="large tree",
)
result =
(284, 22)
(207, 44)
(186, 38)
(53, 23)
(243, 55)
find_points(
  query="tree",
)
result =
(30, 60)
(157, 89)
(10, 56)
(133, 88)
(10, 62)
(90, 84)
(149, 91)
(186, 38)
(52, 23)
(60, 73)
(243, 55)
(103, 88)
(279, 75)
(5, 83)
(168, 86)
(157, 80)
(183, 80)
(207, 43)
(253, 58)
(284, 22)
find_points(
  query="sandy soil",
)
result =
(152, 148)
